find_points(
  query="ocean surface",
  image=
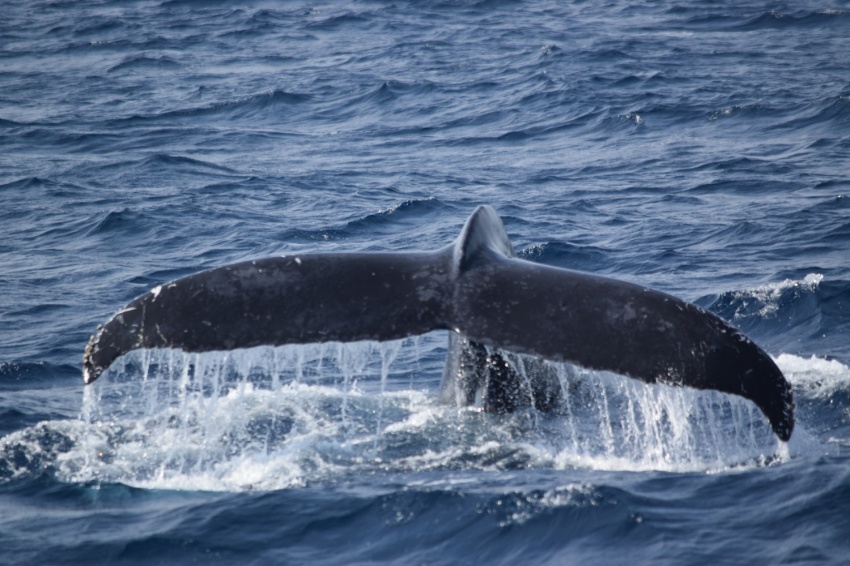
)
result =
(700, 148)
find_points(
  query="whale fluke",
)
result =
(475, 287)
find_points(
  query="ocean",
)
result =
(700, 148)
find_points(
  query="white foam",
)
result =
(534, 504)
(770, 294)
(813, 375)
(772, 290)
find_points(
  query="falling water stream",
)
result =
(268, 418)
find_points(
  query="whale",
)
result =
(494, 306)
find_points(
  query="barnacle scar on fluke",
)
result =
(489, 300)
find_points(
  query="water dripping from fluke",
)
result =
(271, 418)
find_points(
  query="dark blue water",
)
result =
(701, 148)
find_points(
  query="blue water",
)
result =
(701, 148)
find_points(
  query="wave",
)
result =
(263, 105)
(385, 221)
(51, 187)
(769, 301)
(5, 123)
(393, 107)
(16, 374)
(832, 111)
(567, 255)
(794, 315)
(142, 62)
(333, 23)
(184, 164)
(770, 20)
(801, 20)
(95, 25)
(125, 221)
(32, 384)
(409, 210)
(164, 168)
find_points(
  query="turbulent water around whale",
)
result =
(700, 149)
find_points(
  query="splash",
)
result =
(274, 418)
(256, 419)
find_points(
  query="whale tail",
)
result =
(475, 287)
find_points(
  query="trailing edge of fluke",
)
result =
(475, 287)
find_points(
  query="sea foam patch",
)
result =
(816, 376)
